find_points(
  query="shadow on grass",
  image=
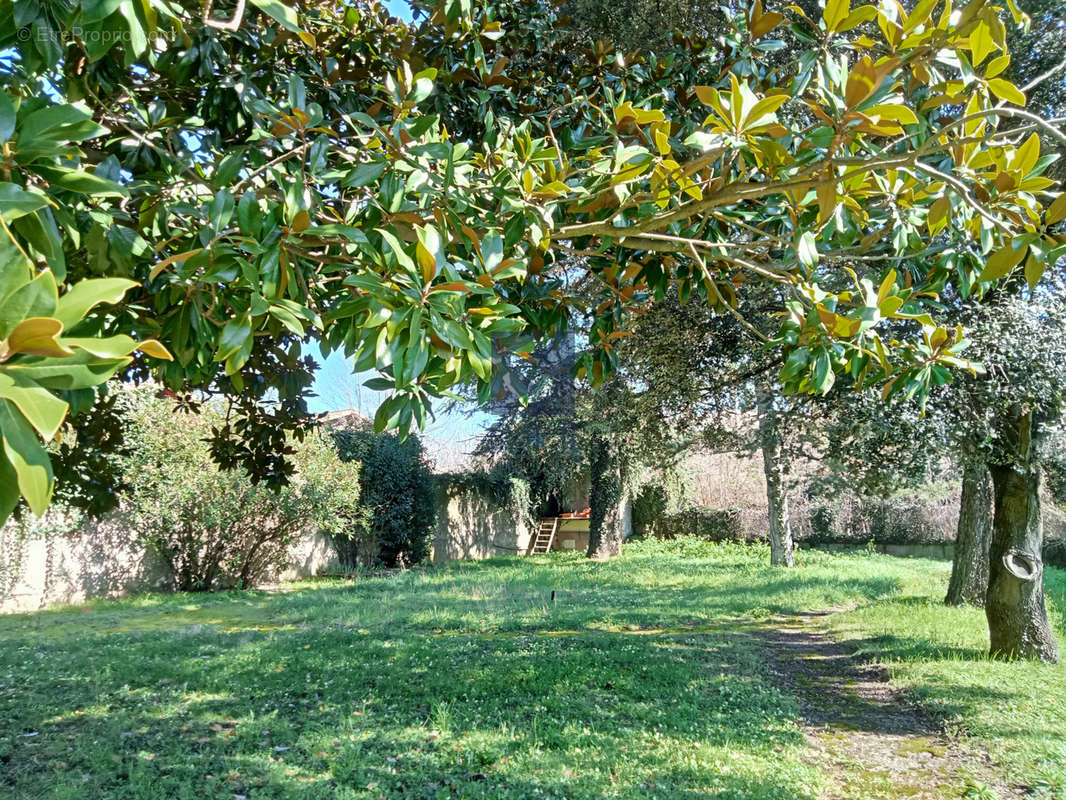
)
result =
(789, 595)
(465, 681)
(451, 601)
(891, 647)
(844, 686)
(340, 714)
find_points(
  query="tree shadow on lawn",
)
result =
(837, 683)
(630, 680)
(528, 602)
(517, 604)
(891, 647)
(799, 594)
(485, 597)
(955, 700)
(317, 714)
(1012, 703)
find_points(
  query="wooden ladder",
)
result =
(542, 542)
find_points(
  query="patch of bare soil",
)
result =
(870, 740)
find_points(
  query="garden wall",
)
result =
(103, 559)
(943, 551)
(480, 516)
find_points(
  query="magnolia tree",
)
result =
(419, 196)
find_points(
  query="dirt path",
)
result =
(872, 743)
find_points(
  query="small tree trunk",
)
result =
(781, 545)
(1014, 605)
(969, 567)
(607, 500)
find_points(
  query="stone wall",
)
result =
(103, 559)
(476, 521)
(100, 559)
(312, 554)
(942, 551)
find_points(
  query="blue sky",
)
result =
(401, 8)
(448, 438)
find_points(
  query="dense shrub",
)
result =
(216, 528)
(919, 516)
(398, 495)
(649, 510)
(713, 524)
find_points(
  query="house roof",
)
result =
(344, 418)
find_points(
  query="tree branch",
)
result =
(231, 25)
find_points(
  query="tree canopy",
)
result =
(238, 180)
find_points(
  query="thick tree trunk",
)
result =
(607, 500)
(969, 568)
(781, 545)
(1017, 622)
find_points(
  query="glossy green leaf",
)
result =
(43, 410)
(83, 370)
(34, 299)
(86, 295)
(16, 202)
(7, 116)
(9, 487)
(234, 335)
(32, 468)
(280, 12)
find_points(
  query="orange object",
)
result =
(577, 514)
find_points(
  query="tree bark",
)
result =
(781, 544)
(969, 567)
(1014, 605)
(607, 499)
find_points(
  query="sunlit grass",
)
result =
(1016, 710)
(640, 679)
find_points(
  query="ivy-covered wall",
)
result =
(480, 515)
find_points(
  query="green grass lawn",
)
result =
(1016, 711)
(640, 680)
